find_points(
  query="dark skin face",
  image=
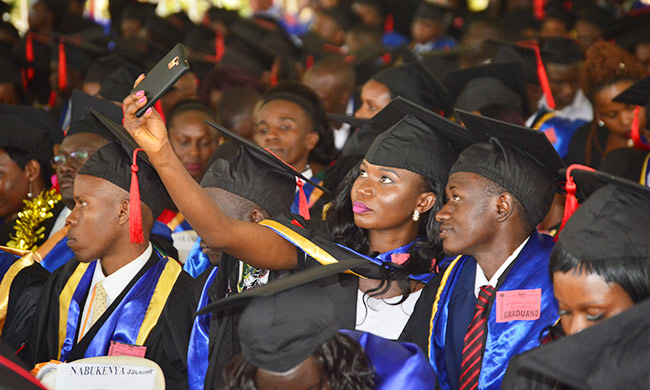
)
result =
(285, 129)
(327, 28)
(617, 116)
(587, 34)
(564, 82)
(369, 14)
(97, 219)
(305, 376)
(14, 184)
(585, 299)
(374, 97)
(425, 30)
(383, 200)
(553, 28)
(334, 99)
(78, 144)
(193, 141)
(40, 18)
(130, 28)
(8, 94)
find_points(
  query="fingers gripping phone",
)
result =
(162, 77)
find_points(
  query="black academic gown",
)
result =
(166, 344)
(24, 295)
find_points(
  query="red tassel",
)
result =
(386, 58)
(538, 9)
(309, 62)
(541, 73)
(219, 48)
(275, 70)
(303, 206)
(29, 55)
(63, 68)
(571, 203)
(136, 234)
(158, 107)
(389, 23)
(635, 132)
(52, 100)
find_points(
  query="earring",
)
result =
(601, 123)
(416, 216)
(30, 195)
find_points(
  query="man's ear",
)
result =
(124, 211)
(505, 206)
(256, 215)
(425, 202)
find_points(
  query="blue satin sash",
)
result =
(383, 260)
(397, 365)
(199, 345)
(197, 261)
(6, 261)
(506, 339)
(559, 129)
(160, 229)
(57, 256)
(123, 324)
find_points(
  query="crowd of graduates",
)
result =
(369, 195)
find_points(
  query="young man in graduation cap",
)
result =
(495, 298)
(248, 188)
(119, 294)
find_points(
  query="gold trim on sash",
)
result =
(163, 288)
(177, 220)
(643, 180)
(7, 280)
(64, 301)
(543, 119)
(443, 283)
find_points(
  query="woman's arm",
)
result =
(252, 243)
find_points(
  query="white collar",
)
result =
(118, 280)
(481, 280)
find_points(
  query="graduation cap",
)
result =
(612, 354)
(639, 95)
(430, 11)
(521, 160)
(342, 15)
(74, 53)
(272, 160)
(10, 73)
(253, 178)
(36, 117)
(417, 139)
(20, 134)
(564, 51)
(119, 83)
(472, 89)
(414, 82)
(349, 119)
(614, 221)
(121, 164)
(82, 120)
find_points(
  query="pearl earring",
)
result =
(601, 123)
(416, 216)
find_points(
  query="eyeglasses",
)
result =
(79, 157)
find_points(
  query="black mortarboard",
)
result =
(595, 15)
(349, 119)
(630, 31)
(22, 135)
(222, 15)
(413, 83)
(138, 10)
(10, 73)
(114, 162)
(612, 224)
(82, 120)
(637, 94)
(253, 178)
(417, 140)
(513, 52)
(103, 67)
(119, 83)
(265, 39)
(162, 32)
(612, 354)
(442, 61)
(37, 117)
(521, 160)
(342, 15)
(14, 373)
(565, 51)
(431, 11)
(472, 89)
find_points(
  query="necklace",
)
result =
(28, 229)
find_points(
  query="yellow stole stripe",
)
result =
(177, 220)
(644, 172)
(5, 285)
(159, 298)
(443, 283)
(543, 119)
(311, 249)
(64, 301)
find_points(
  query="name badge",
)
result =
(519, 305)
(121, 349)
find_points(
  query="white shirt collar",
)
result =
(118, 280)
(481, 280)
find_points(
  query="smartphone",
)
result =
(162, 77)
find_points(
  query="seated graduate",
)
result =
(248, 188)
(495, 299)
(600, 267)
(290, 339)
(118, 289)
(383, 212)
